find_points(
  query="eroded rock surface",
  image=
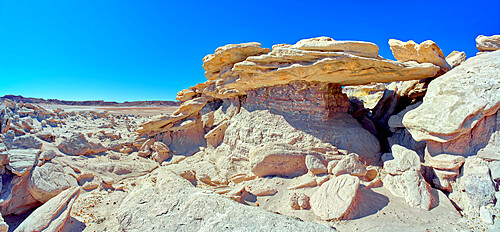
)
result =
(53, 215)
(173, 204)
(403, 178)
(336, 198)
(77, 144)
(445, 113)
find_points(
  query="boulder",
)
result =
(46, 156)
(15, 198)
(48, 180)
(426, 52)
(474, 188)
(161, 152)
(25, 142)
(171, 203)
(262, 187)
(22, 160)
(336, 199)
(77, 144)
(215, 136)
(455, 58)
(46, 136)
(445, 113)
(315, 165)
(488, 43)
(145, 149)
(349, 164)
(403, 178)
(53, 215)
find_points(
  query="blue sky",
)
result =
(149, 50)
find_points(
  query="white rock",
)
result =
(335, 199)
(53, 215)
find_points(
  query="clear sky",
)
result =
(149, 50)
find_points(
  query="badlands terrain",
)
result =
(321, 135)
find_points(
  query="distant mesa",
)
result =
(19, 98)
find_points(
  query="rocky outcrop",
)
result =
(445, 113)
(78, 144)
(426, 52)
(173, 204)
(217, 64)
(488, 43)
(314, 60)
(53, 215)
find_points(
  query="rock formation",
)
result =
(53, 215)
(324, 131)
(488, 43)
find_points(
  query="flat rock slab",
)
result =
(276, 159)
(53, 215)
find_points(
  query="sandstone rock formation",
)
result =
(328, 61)
(48, 180)
(426, 52)
(77, 144)
(53, 215)
(272, 135)
(445, 114)
(488, 43)
(173, 204)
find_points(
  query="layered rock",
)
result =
(455, 58)
(316, 60)
(488, 43)
(426, 52)
(53, 215)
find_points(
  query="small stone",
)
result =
(299, 201)
(315, 165)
